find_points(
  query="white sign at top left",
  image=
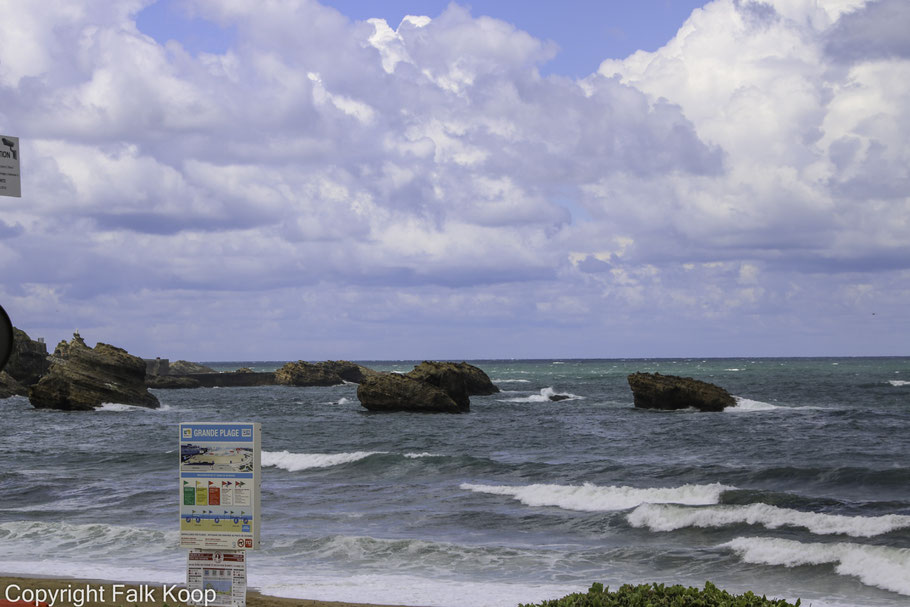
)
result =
(9, 167)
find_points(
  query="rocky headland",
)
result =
(670, 392)
(81, 378)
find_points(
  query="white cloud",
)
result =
(331, 174)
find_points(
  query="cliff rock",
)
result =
(394, 392)
(81, 378)
(28, 361)
(656, 391)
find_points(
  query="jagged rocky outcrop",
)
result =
(185, 367)
(669, 392)
(28, 360)
(394, 392)
(476, 382)
(81, 378)
(326, 373)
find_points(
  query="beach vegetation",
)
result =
(659, 595)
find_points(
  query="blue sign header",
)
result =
(227, 433)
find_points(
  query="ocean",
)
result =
(800, 491)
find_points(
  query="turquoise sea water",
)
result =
(802, 490)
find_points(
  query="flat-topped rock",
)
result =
(670, 392)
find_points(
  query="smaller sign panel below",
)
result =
(219, 574)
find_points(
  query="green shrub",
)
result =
(658, 595)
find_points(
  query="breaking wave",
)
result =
(746, 404)
(294, 462)
(542, 397)
(880, 566)
(661, 517)
(592, 498)
(117, 407)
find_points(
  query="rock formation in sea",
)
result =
(10, 386)
(327, 373)
(171, 382)
(656, 391)
(184, 367)
(28, 361)
(558, 397)
(26, 364)
(81, 378)
(476, 382)
(395, 392)
(451, 383)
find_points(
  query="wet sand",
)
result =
(253, 599)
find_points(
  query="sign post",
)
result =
(219, 506)
(10, 184)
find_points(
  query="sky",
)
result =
(214, 180)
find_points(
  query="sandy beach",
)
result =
(15, 587)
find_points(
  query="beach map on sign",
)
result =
(215, 459)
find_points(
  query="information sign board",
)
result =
(219, 485)
(10, 184)
(221, 574)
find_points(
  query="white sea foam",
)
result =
(120, 408)
(733, 369)
(512, 381)
(661, 517)
(541, 397)
(343, 401)
(898, 382)
(748, 405)
(880, 566)
(424, 454)
(407, 589)
(592, 498)
(294, 462)
(83, 538)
